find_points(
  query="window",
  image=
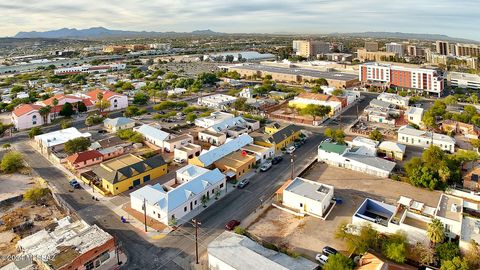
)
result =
(146, 178)
(185, 209)
(158, 215)
(301, 204)
(34, 119)
(115, 103)
(221, 185)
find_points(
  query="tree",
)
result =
(338, 262)
(471, 255)
(36, 195)
(102, 105)
(65, 124)
(77, 145)
(447, 251)
(316, 110)
(366, 239)
(376, 135)
(425, 254)
(133, 110)
(395, 248)
(336, 135)
(93, 120)
(81, 107)
(337, 92)
(44, 112)
(67, 110)
(140, 98)
(204, 200)
(11, 162)
(34, 132)
(6, 146)
(191, 117)
(436, 231)
(450, 100)
(55, 103)
(455, 264)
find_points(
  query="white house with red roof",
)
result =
(26, 116)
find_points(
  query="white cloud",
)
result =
(305, 16)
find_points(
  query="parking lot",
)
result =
(309, 235)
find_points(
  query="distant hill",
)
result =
(101, 32)
(401, 35)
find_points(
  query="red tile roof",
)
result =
(84, 156)
(106, 94)
(25, 108)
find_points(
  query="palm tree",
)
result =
(44, 112)
(436, 231)
(55, 103)
(100, 99)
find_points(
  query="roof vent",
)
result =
(454, 208)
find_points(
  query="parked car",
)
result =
(329, 251)
(232, 224)
(178, 160)
(277, 159)
(243, 183)
(74, 183)
(389, 159)
(102, 131)
(322, 259)
(297, 144)
(291, 149)
(265, 166)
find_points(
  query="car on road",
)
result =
(178, 160)
(232, 224)
(243, 183)
(327, 251)
(277, 159)
(102, 131)
(389, 159)
(291, 149)
(265, 166)
(74, 183)
(321, 259)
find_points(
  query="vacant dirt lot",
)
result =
(309, 235)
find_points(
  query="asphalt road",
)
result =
(178, 248)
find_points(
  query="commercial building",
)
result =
(278, 136)
(126, 172)
(171, 203)
(364, 55)
(397, 48)
(354, 158)
(336, 104)
(311, 48)
(261, 153)
(119, 123)
(386, 75)
(414, 115)
(463, 80)
(297, 75)
(236, 165)
(71, 245)
(89, 69)
(153, 135)
(212, 137)
(217, 101)
(208, 158)
(411, 136)
(309, 197)
(54, 141)
(231, 251)
(412, 217)
(371, 46)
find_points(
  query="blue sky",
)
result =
(456, 18)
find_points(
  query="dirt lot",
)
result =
(309, 235)
(20, 212)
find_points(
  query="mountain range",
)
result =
(102, 32)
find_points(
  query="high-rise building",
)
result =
(413, 50)
(396, 48)
(310, 48)
(296, 45)
(443, 47)
(467, 50)
(424, 79)
(371, 46)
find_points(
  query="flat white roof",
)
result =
(309, 189)
(60, 136)
(408, 130)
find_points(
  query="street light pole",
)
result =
(196, 224)
(292, 161)
(145, 213)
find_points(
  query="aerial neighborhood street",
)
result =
(203, 151)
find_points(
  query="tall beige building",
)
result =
(467, 49)
(443, 47)
(310, 48)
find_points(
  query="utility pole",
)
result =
(145, 213)
(292, 161)
(196, 224)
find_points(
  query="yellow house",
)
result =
(125, 172)
(278, 136)
(236, 164)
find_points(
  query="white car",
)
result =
(178, 160)
(266, 166)
(291, 149)
(321, 258)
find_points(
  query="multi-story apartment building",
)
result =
(467, 49)
(310, 48)
(424, 79)
(396, 48)
(371, 46)
(443, 47)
